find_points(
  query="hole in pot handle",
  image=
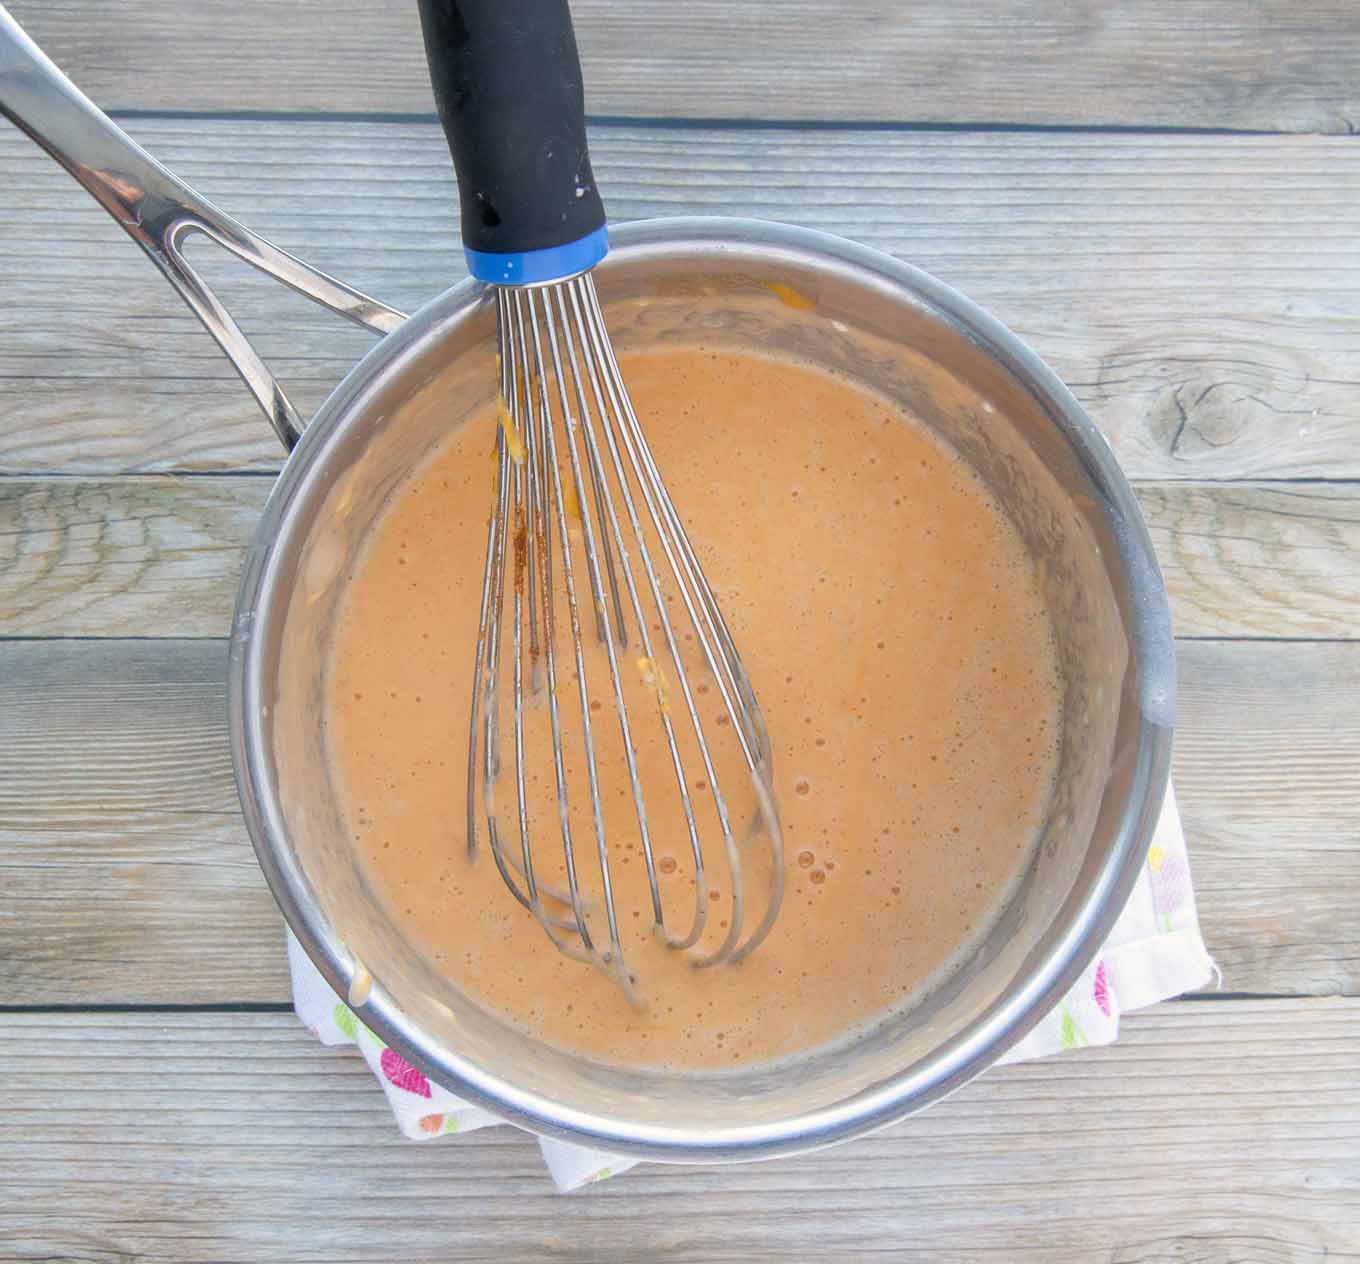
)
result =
(159, 211)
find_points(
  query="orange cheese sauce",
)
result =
(892, 627)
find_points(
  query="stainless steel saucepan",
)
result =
(886, 324)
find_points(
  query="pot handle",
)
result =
(159, 211)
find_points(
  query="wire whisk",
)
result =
(582, 519)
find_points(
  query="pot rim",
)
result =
(954, 1062)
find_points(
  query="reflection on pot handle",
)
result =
(159, 211)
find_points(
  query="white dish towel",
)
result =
(1154, 952)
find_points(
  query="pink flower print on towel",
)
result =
(1100, 989)
(403, 1074)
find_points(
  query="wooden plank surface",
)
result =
(1243, 559)
(161, 556)
(1199, 290)
(148, 556)
(121, 842)
(1201, 294)
(129, 878)
(1210, 1132)
(1269, 65)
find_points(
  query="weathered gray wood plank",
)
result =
(1245, 559)
(1272, 65)
(1209, 1132)
(129, 556)
(161, 556)
(1200, 293)
(1267, 765)
(126, 876)
(122, 851)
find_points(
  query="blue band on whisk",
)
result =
(536, 267)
